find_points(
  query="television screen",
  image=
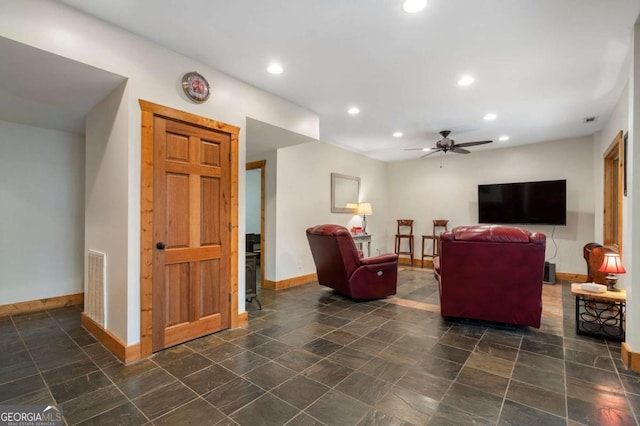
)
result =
(543, 203)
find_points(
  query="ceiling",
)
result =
(38, 88)
(541, 66)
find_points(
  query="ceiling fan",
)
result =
(445, 145)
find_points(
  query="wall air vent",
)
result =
(95, 288)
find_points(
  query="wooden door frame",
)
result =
(252, 166)
(149, 111)
(613, 170)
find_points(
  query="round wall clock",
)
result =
(195, 87)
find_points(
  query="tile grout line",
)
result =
(35, 364)
(100, 368)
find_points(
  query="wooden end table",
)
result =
(600, 314)
(360, 239)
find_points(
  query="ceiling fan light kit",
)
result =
(445, 145)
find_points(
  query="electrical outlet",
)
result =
(377, 252)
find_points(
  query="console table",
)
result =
(600, 314)
(360, 239)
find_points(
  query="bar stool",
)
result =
(405, 231)
(435, 249)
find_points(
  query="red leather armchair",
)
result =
(491, 273)
(594, 255)
(340, 267)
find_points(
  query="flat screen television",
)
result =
(540, 203)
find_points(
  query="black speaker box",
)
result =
(549, 272)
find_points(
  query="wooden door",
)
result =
(191, 232)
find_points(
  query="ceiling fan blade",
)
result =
(413, 149)
(459, 150)
(465, 144)
(433, 151)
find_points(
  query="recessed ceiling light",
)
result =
(466, 80)
(413, 6)
(503, 138)
(490, 116)
(275, 68)
(353, 110)
(426, 149)
(397, 134)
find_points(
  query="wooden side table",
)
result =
(360, 239)
(600, 314)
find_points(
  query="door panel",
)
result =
(191, 219)
(177, 210)
(210, 280)
(177, 148)
(209, 196)
(177, 297)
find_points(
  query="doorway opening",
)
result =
(255, 202)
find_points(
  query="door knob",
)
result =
(160, 246)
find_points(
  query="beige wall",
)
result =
(421, 190)
(41, 213)
(304, 200)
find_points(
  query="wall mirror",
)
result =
(344, 193)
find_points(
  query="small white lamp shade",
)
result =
(365, 209)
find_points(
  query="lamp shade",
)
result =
(365, 209)
(612, 264)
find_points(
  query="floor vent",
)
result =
(94, 295)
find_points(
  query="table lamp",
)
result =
(612, 265)
(365, 210)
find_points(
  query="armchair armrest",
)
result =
(383, 258)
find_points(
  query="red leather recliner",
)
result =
(491, 273)
(594, 255)
(340, 267)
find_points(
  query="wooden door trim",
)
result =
(149, 111)
(252, 166)
(613, 170)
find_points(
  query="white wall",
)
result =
(304, 200)
(106, 201)
(631, 212)
(41, 213)
(252, 201)
(153, 74)
(421, 190)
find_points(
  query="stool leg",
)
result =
(411, 249)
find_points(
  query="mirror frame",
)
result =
(335, 179)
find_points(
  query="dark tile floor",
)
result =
(311, 357)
